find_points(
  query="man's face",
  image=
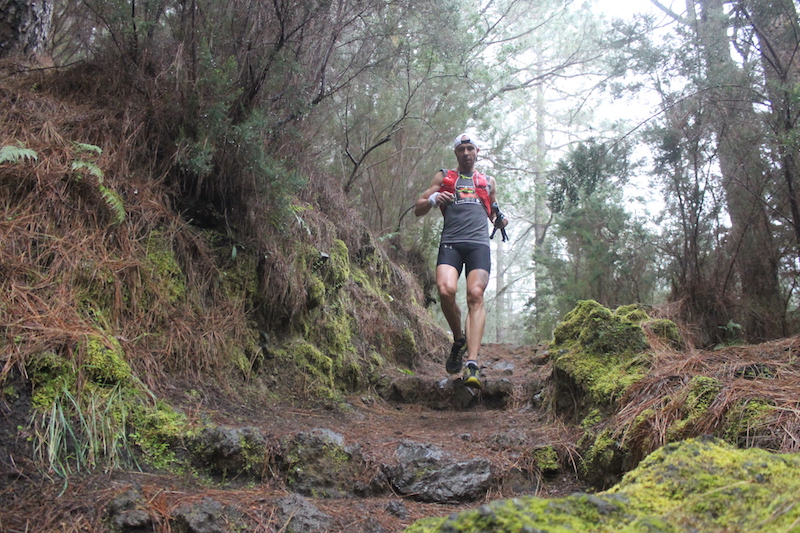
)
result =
(466, 155)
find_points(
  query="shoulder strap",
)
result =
(482, 190)
(450, 178)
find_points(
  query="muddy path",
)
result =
(426, 407)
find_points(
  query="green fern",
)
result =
(84, 147)
(114, 202)
(111, 197)
(90, 168)
(16, 153)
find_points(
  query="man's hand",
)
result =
(440, 198)
(500, 222)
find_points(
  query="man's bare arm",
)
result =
(425, 203)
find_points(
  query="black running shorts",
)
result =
(474, 256)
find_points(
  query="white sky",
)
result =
(624, 9)
(640, 107)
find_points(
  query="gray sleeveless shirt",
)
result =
(465, 220)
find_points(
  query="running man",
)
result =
(465, 198)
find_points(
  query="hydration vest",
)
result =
(480, 183)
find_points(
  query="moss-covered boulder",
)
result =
(231, 452)
(597, 355)
(665, 330)
(701, 485)
(319, 464)
(700, 394)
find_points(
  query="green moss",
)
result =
(747, 421)
(337, 332)
(376, 360)
(315, 292)
(50, 374)
(701, 392)
(632, 313)
(317, 367)
(105, 361)
(667, 331)
(338, 272)
(602, 351)
(101, 420)
(163, 268)
(314, 360)
(694, 482)
(600, 454)
(605, 379)
(158, 428)
(577, 513)
(88, 425)
(701, 485)
(375, 278)
(545, 458)
(650, 524)
(9, 392)
(253, 455)
(593, 417)
(598, 330)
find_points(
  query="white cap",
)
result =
(466, 138)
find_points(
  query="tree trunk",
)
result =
(24, 27)
(739, 141)
(778, 33)
(541, 222)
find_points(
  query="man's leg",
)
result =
(447, 282)
(477, 280)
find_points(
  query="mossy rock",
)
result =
(666, 330)
(105, 361)
(701, 393)
(596, 329)
(597, 355)
(748, 422)
(634, 313)
(232, 453)
(701, 485)
(603, 458)
(158, 432)
(319, 464)
(545, 458)
(106, 415)
(694, 483)
(50, 374)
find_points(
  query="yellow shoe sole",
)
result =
(473, 382)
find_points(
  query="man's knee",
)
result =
(447, 290)
(475, 295)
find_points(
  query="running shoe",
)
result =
(453, 364)
(471, 376)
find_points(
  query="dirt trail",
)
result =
(502, 436)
